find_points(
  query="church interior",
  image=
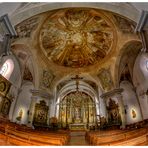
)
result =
(73, 74)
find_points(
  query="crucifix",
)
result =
(77, 78)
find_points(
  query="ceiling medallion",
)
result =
(76, 37)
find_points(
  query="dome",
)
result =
(76, 37)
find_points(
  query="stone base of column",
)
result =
(30, 125)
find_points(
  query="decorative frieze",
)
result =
(25, 28)
(105, 78)
(126, 26)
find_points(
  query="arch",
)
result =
(123, 9)
(127, 54)
(27, 62)
(71, 87)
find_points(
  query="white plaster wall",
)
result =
(131, 102)
(140, 79)
(23, 102)
(102, 105)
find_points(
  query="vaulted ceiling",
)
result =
(79, 40)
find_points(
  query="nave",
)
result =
(73, 75)
(12, 134)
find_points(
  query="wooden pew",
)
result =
(17, 135)
(118, 137)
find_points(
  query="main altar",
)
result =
(77, 111)
(77, 126)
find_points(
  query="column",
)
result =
(48, 116)
(31, 110)
(122, 110)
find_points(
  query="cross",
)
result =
(77, 78)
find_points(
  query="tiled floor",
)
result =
(78, 138)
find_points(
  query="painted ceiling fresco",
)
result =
(76, 37)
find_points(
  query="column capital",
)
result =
(40, 93)
(116, 91)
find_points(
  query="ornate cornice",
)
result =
(112, 92)
(40, 93)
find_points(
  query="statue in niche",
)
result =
(133, 113)
(19, 118)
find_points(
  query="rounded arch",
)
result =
(71, 87)
(123, 9)
(127, 54)
(27, 62)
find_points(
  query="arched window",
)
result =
(147, 64)
(7, 69)
(4, 69)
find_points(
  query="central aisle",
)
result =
(78, 138)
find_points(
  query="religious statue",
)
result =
(77, 115)
(20, 115)
(133, 113)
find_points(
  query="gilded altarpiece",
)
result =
(113, 113)
(40, 115)
(77, 108)
(5, 102)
